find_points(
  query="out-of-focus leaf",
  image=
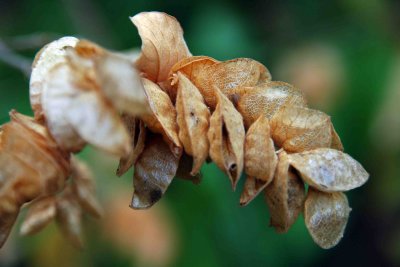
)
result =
(326, 216)
(83, 187)
(46, 59)
(226, 136)
(137, 132)
(284, 196)
(297, 129)
(163, 118)
(193, 120)
(267, 99)
(329, 170)
(41, 212)
(162, 44)
(154, 171)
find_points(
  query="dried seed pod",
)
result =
(336, 142)
(297, 129)
(163, 118)
(137, 132)
(46, 59)
(19, 183)
(267, 99)
(69, 218)
(154, 171)
(252, 187)
(226, 136)
(229, 75)
(284, 196)
(191, 67)
(162, 44)
(21, 143)
(41, 212)
(259, 155)
(259, 160)
(185, 170)
(76, 112)
(329, 170)
(83, 187)
(326, 216)
(119, 80)
(193, 120)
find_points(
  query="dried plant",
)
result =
(165, 114)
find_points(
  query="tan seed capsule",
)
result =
(41, 212)
(193, 120)
(226, 136)
(284, 196)
(329, 170)
(154, 171)
(326, 216)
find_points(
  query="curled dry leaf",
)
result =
(191, 67)
(119, 80)
(227, 76)
(267, 99)
(284, 196)
(41, 212)
(193, 121)
(329, 170)
(76, 112)
(69, 217)
(137, 132)
(259, 159)
(326, 216)
(83, 187)
(154, 171)
(297, 129)
(46, 59)
(226, 136)
(162, 44)
(163, 117)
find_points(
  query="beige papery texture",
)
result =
(326, 216)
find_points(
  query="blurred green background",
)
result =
(344, 54)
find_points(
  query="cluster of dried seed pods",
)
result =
(165, 113)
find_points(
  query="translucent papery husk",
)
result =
(77, 112)
(163, 117)
(329, 170)
(284, 196)
(137, 132)
(336, 142)
(260, 159)
(191, 67)
(193, 120)
(326, 216)
(40, 213)
(153, 172)
(185, 170)
(298, 129)
(25, 145)
(163, 44)
(69, 217)
(266, 99)
(83, 187)
(119, 80)
(47, 58)
(227, 76)
(226, 136)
